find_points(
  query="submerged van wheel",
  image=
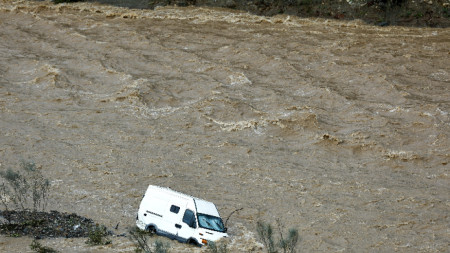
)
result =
(193, 242)
(151, 229)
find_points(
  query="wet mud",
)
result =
(337, 128)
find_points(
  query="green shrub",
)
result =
(141, 240)
(25, 186)
(37, 247)
(446, 12)
(288, 244)
(39, 185)
(160, 247)
(97, 236)
(266, 235)
(16, 188)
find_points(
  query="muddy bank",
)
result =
(336, 127)
(406, 13)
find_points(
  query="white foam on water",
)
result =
(238, 79)
(443, 113)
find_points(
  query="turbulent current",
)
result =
(336, 128)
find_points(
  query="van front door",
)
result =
(188, 225)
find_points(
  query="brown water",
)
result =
(336, 128)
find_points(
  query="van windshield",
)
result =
(211, 222)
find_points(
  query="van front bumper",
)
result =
(140, 224)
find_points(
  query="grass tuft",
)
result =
(37, 247)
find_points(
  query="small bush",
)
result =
(142, 243)
(160, 247)
(16, 188)
(38, 184)
(140, 240)
(287, 245)
(265, 233)
(97, 236)
(37, 247)
(22, 187)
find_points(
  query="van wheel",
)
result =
(151, 230)
(193, 242)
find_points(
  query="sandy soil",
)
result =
(339, 129)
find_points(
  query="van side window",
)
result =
(174, 209)
(189, 218)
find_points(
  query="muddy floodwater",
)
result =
(337, 128)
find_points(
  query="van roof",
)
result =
(203, 206)
(206, 207)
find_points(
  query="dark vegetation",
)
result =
(97, 235)
(434, 13)
(39, 248)
(25, 188)
(141, 240)
(46, 224)
(285, 244)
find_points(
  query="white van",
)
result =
(179, 216)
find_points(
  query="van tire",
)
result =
(193, 242)
(151, 230)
